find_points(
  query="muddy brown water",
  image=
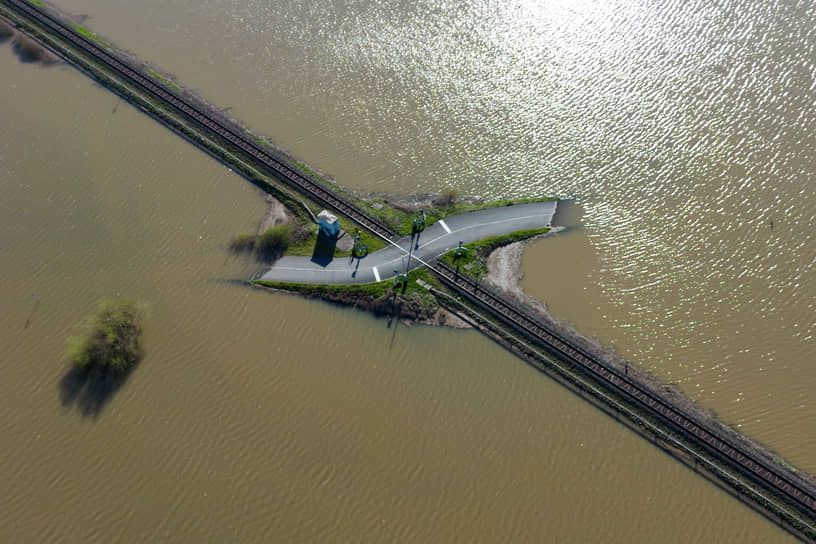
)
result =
(684, 130)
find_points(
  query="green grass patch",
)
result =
(261, 141)
(374, 242)
(37, 3)
(274, 239)
(474, 262)
(411, 301)
(402, 222)
(428, 277)
(398, 220)
(163, 80)
(489, 244)
(90, 35)
(267, 246)
(304, 168)
(373, 290)
(307, 246)
(313, 245)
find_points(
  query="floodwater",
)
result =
(686, 133)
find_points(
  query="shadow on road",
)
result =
(324, 250)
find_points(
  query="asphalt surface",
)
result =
(413, 252)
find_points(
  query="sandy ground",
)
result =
(504, 271)
(276, 214)
(445, 318)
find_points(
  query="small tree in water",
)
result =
(112, 337)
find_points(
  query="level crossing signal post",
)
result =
(359, 249)
(419, 220)
(460, 251)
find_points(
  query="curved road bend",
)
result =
(435, 240)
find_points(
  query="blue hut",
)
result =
(328, 225)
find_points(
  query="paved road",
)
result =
(435, 240)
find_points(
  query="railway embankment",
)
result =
(748, 471)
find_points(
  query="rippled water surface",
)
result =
(685, 130)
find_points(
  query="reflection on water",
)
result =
(686, 131)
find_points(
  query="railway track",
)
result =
(687, 425)
(202, 119)
(519, 319)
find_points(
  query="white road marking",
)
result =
(396, 262)
(469, 227)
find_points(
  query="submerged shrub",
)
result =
(242, 242)
(447, 197)
(274, 240)
(112, 337)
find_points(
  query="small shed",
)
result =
(328, 224)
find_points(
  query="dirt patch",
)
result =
(504, 269)
(345, 241)
(276, 231)
(446, 318)
(276, 214)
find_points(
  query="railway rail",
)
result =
(232, 137)
(686, 424)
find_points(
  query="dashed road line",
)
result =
(444, 226)
(376, 273)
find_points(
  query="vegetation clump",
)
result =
(473, 259)
(274, 240)
(111, 342)
(447, 197)
(411, 301)
(90, 35)
(165, 81)
(270, 244)
(242, 242)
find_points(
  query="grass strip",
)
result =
(401, 221)
(474, 260)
